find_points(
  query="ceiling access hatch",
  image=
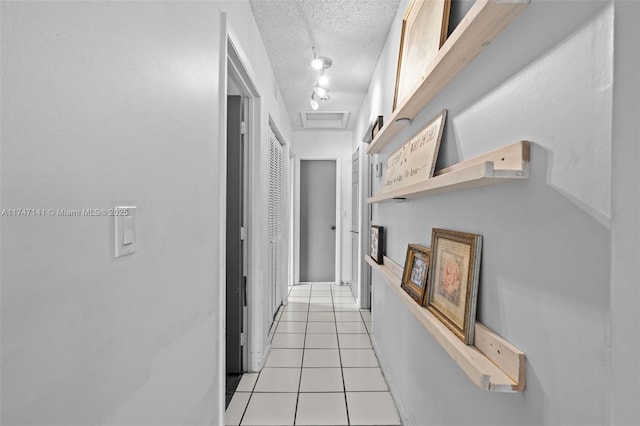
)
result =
(324, 120)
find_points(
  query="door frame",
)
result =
(235, 69)
(258, 325)
(364, 271)
(339, 230)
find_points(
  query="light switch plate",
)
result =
(378, 169)
(126, 241)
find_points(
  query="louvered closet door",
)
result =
(277, 255)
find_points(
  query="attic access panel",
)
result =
(324, 120)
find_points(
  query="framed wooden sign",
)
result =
(415, 161)
(416, 270)
(424, 30)
(453, 281)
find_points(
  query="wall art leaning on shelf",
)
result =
(377, 243)
(424, 31)
(415, 161)
(377, 125)
(453, 280)
(416, 270)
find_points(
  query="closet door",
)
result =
(277, 253)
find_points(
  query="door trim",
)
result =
(364, 287)
(235, 69)
(222, 243)
(339, 230)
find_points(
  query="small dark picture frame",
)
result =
(416, 270)
(377, 243)
(377, 125)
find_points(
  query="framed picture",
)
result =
(416, 270)
(424, 30)
(415, 161)
(453, 281)
(377, 243)
(377, 125)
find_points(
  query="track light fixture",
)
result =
(320, 62)
(314, 103)
(315, 97)
(323, 80)
(320, 91)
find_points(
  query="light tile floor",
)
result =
(321, 370)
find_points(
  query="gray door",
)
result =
(235, 302)
(317, 220)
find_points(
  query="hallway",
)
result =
(322, 369)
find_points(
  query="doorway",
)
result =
(355, 219)
(242, 120)
(318, 221)
(236, 279)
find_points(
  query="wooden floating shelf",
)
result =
(493, 364)
(502, 165)
(484, 21)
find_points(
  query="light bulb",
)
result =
(323, 80)
(314, 104)
(320, 91)
(317, 63)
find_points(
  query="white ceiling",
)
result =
(350, 32)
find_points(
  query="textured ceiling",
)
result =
(350, 32)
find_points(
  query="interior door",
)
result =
(355, 195)
(317, 220)
(235, 302)
(276, 225)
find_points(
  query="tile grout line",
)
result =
(304, 348)
(246, 407)
(344, 385)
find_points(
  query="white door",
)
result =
(317, 220)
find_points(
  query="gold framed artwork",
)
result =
(424, 30)
(416, 270)
(415, 161)
(377, 243)
(453, 280)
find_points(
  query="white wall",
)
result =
(244, 35)
(105, 104)
(326, 145)
(546, 267)
(378, 101)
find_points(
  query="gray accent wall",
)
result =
(546, 276)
